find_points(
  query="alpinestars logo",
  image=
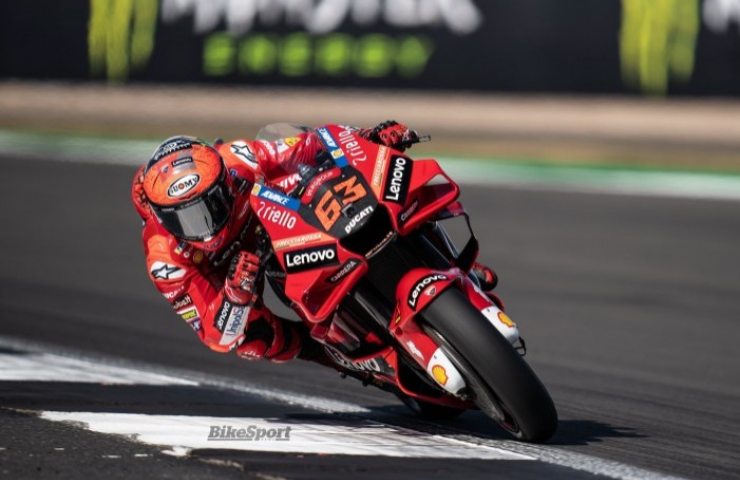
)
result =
(166, 271)
(421, 285)
(397, 183)
(310, 258)
(242, 150)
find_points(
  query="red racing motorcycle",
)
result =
(358, 250)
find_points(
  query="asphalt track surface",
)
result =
(629, 306)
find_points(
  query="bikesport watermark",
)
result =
(249, 433)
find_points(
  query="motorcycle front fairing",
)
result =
(346, 213)
(319, 240)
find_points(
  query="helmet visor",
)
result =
(200, 218)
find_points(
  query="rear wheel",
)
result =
(500, 381)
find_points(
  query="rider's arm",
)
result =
(253, 331)
(272, 159)
(282, 157)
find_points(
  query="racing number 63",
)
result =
(329, 207)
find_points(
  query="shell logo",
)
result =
(197, 257)
(440, 374)
(503, 318)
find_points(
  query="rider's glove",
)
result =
(392, 134)
(242, 278)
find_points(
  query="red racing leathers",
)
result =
(192, 280)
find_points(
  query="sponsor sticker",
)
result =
(326, 138)
(352, 147)
(223, 316)
(380, 162)
(354, 221)
(182, 161)
(318, 181)
(198, 257)
(182, 302)
(234, 326)
(189, 314)
(170, 294)
(172, 147)
(345, 270)
(398, 180)
(277, 197)
(504, 318)
(408, 212)
(183, 185)
(414, 349)
(165, 271)
(298, 241)
(278, 216)
(289, 182)
(440, 374)
(309, 258)
(378, 364)
(421, 285)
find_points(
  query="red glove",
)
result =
(392, 134)
(242, 278)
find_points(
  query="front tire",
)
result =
(501, 382)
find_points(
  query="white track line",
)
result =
(181, 433)
(552, 455)
(47, 367)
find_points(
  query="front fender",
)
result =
(418, 288)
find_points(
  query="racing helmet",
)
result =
(189, 190)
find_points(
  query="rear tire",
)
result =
(500, 380)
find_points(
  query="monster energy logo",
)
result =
(658, 42)
(121, 36)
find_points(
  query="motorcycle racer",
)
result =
(201, 240)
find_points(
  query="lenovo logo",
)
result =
(397, 183)
(310, 258)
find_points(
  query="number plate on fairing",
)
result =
(341, 205)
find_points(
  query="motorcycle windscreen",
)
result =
(276, 131)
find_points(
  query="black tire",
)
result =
(430, 411)
(502, 384)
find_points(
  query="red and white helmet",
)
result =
(189, 190)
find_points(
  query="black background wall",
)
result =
(590, 46)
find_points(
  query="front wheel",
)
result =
(502, 384)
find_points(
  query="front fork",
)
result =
(419, 288)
